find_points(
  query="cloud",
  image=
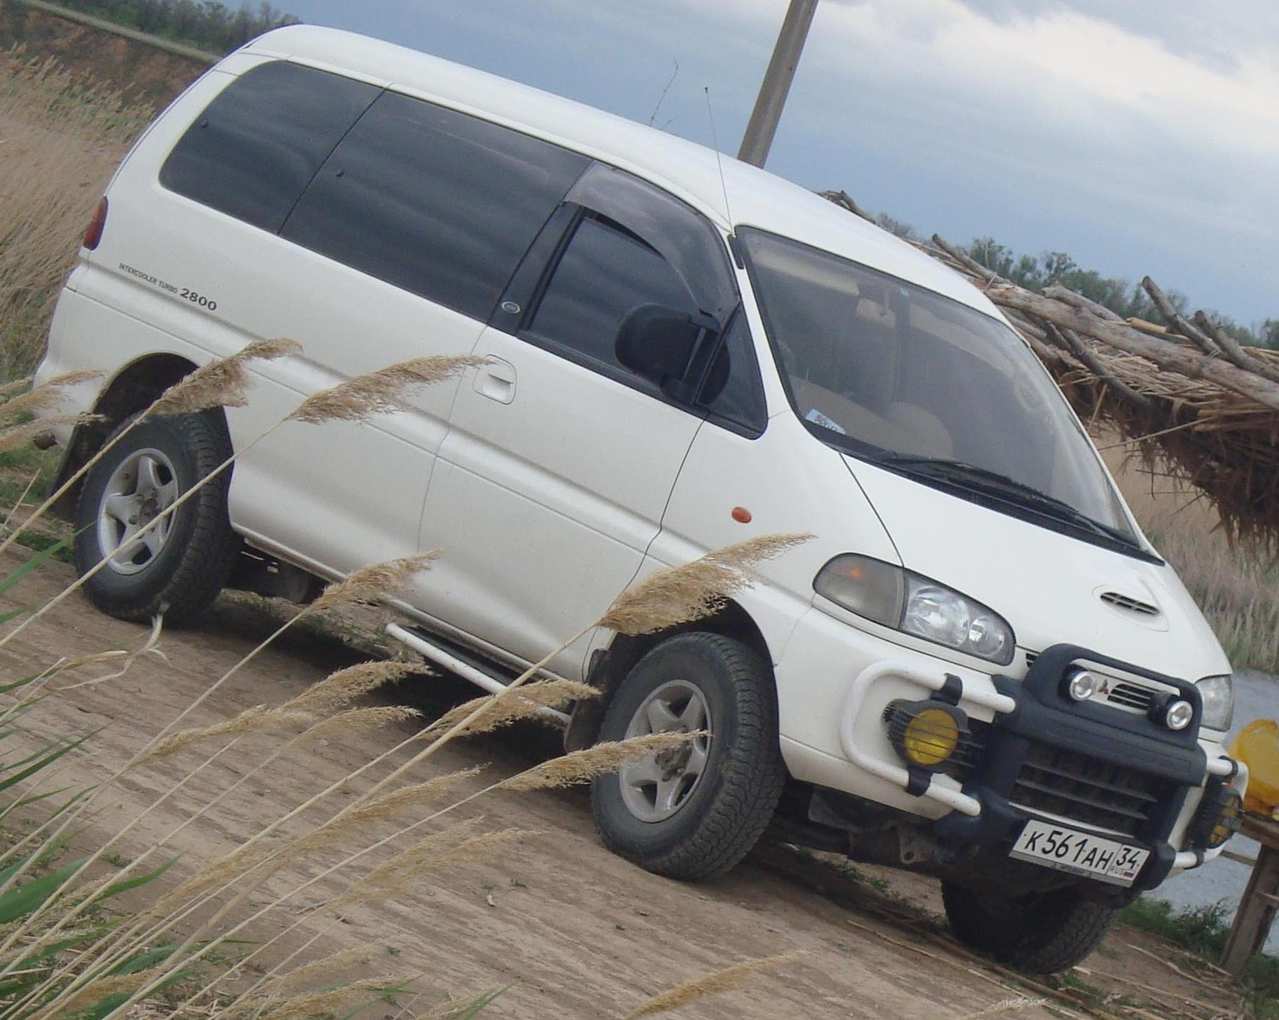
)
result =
(1141, 136)
(1216, 34)
(1094, 133)
(1065, 63)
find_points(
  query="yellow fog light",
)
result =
(925, 733)
(931, 737)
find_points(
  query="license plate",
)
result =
(1080, 853)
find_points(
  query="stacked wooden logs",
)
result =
(1183, 394)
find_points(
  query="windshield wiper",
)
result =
(993, 483)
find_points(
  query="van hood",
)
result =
(1048, 586)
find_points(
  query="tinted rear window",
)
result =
(434, 201)
(256, 147)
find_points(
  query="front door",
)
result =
(558, 464)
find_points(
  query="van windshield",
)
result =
(923, 384)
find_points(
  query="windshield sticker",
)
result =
(817, 418)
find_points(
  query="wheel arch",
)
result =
(609, 667)
(134, 387)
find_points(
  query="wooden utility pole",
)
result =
(777, 81)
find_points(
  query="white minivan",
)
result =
(978, 668)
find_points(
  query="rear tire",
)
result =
(178, 571)
(685, 827)
(1038, 933)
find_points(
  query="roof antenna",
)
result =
(662, 98)
(719, 159)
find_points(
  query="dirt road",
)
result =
(574, 931)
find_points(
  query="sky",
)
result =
(1140, 136)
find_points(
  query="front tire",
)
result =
(1039, 933)
(178, 568)
(697, 812)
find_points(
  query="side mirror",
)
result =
(658, 343)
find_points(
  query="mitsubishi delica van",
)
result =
(978, 668)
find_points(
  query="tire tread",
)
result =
(1045, 938)
(211, 549)
(752, 775)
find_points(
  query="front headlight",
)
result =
(1218, 695)
(907, 602)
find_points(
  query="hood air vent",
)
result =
(1129, 603)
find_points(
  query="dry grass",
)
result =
(346, 685)
(228, 882)
(373, 584)
(676, 595)
(381, 392)
(66, 138)
(486, 714)
(221, 383)
(715, 983)
(19, 436)
(579, 767)
(258, 719)
(60, 142)
(1235, 582)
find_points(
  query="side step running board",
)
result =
(467, 669)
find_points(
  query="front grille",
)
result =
(1124, 694)
(1131, 696)
(1087, 790)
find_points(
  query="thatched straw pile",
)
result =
(1185, 395)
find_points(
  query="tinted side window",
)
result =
(434, 201)
(604, 273)
(683, 238)
(258, 144)
(733, 391)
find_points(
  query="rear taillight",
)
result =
(93, 235)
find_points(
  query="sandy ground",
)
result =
(573, 931)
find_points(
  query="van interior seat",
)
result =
(902, 427)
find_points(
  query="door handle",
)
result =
(496, 380)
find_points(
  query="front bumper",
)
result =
(1117, 774)
(834, 737)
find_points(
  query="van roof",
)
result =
(691, 171)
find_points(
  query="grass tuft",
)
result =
(1203, 931)
(67, 137)
(1235, 583)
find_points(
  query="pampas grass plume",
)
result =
(258, 719)
(101, 988)
(330, 1000)
(339, 689)
(374, 583)
(223, 382)
(677, 595)
(20, 435)
(439, 850)
(73, 378)
(214, 875)
(714, 983)
(583, 766)
(373, 717)
(17, 386)
(389, 805)
(461, 1009)
(324, 968)
(380, 392)
(45, 396)
(507, 708)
